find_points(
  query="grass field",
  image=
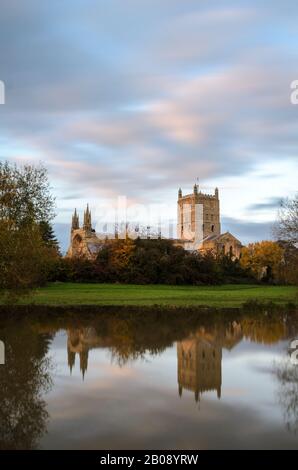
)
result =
(119, 294)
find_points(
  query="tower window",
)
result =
(212, 228)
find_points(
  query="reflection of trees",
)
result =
(23, 378)
(264, 330)
(287, 375)
(133, 336)
(129, 344)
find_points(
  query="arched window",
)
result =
(231, 251)
(212, 228)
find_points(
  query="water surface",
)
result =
(149, 381)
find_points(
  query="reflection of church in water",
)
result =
(199, 356)
(80, 341)
(199, 360)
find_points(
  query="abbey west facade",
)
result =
(198, 228)
(84, 243)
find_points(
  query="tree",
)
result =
(288, 272)
(25, 202)
(48, 236)
(232, 271)
(24, 260)
(263, 259)
(25, 196)
(287, 225)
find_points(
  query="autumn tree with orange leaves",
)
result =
(264, 259)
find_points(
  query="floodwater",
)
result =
(149, 381)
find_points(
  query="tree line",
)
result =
(154, 261)
(159, 261)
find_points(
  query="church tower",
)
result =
(198, 215)
(87, 226)
(75, 224)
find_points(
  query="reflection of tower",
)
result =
(71, 359)
(199, 366)
(84, 361)
(76, 344)
(80, 341)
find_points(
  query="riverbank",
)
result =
(225, 296)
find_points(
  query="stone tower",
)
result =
(198, 215)
(87, 226)
(75, 224)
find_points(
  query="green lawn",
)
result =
(119, 294)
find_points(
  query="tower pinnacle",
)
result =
(75, 224)
(87, 219)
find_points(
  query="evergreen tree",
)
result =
(48, 236)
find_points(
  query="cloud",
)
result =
(272, 203)
(247, 232)
(138, 98)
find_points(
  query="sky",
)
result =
(137, 98)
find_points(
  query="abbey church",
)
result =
(198, 228)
